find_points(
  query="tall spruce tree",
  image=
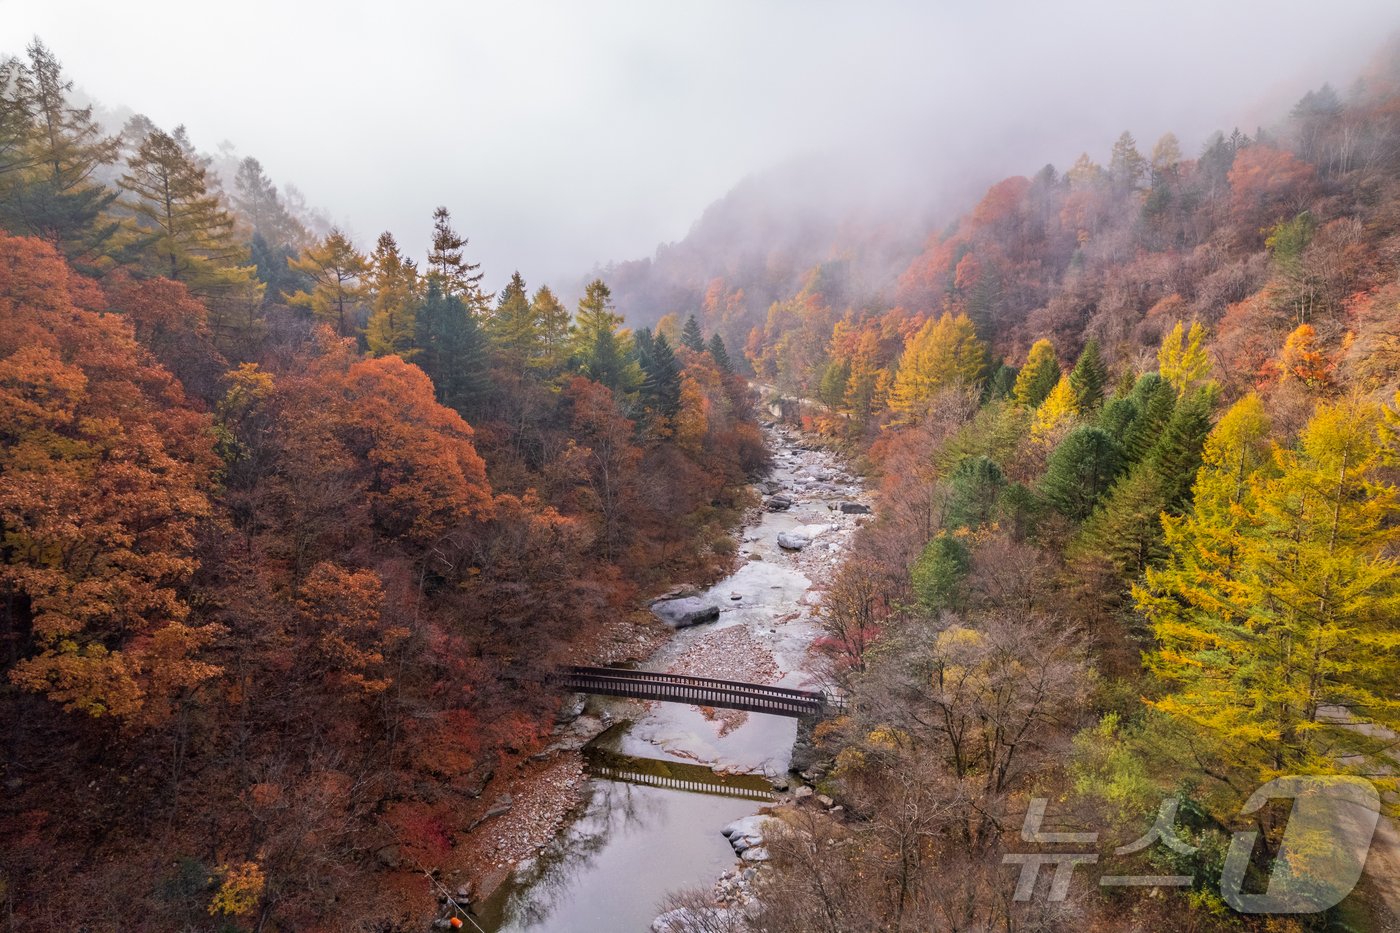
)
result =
(691, 337)
(1080, 472)
(661, 373)
(720, 354)
(453, 351)
(1089, 377)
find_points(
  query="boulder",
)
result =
(747, 833)
(685, 612)
(855, 508)
(793, 540)
(779, 504)
(755, 854)
(802, 793)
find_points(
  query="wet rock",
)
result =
(779, 504)
(792, 540)
(685, 612)
(855, 508)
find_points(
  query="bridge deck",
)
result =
(699, 691)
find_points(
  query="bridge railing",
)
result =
(699, 691)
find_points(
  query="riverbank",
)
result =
(764, 634)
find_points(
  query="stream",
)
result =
(667, 777)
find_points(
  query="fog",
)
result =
(563, 134)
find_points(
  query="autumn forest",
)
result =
(294, 527)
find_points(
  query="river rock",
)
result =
(755, 854)
(686, 919)
(746, 833)
(802, 793)
(792, 540)
(855, 508)
(779, 504)
(685, 612)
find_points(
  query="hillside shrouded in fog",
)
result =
(563, 135)
(941, 421)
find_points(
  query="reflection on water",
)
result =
(650, 824)
(631, 846)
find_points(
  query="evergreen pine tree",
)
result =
(975, 488)
(691, 337)
(452, 350)
(661, 373)
(1080, 472)
(1154, 400)
(1089, 377)
(720, 354)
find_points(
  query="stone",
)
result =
(802, 793)
(685, 611)
(855, 508)
(825, 801)
(792, 540)
(755, 854)
(779, 504)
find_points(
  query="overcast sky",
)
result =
(566, 133)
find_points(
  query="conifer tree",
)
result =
(1039, 376)
(598, 347)
(256, 198)
(938, 574)
(832, 389)
(944, 352)
(720, 354)
(447, 266)
(1054, 413)
(513, 328)
(1080, 472)
(1182, 359)
(393, 289)
(1002, 383)
(691, 337)
(1277, 608)
(1154, 400)
(1088, 377)
(975, 488)
(452, 350)
(337, 271)
(552, 318)
(180, 226)
(50, 153)
(661, 373)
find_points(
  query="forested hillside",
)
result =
(290, 528)
(1138, 433)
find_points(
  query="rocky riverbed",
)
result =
(756, 625)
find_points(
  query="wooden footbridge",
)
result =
(697, 691)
